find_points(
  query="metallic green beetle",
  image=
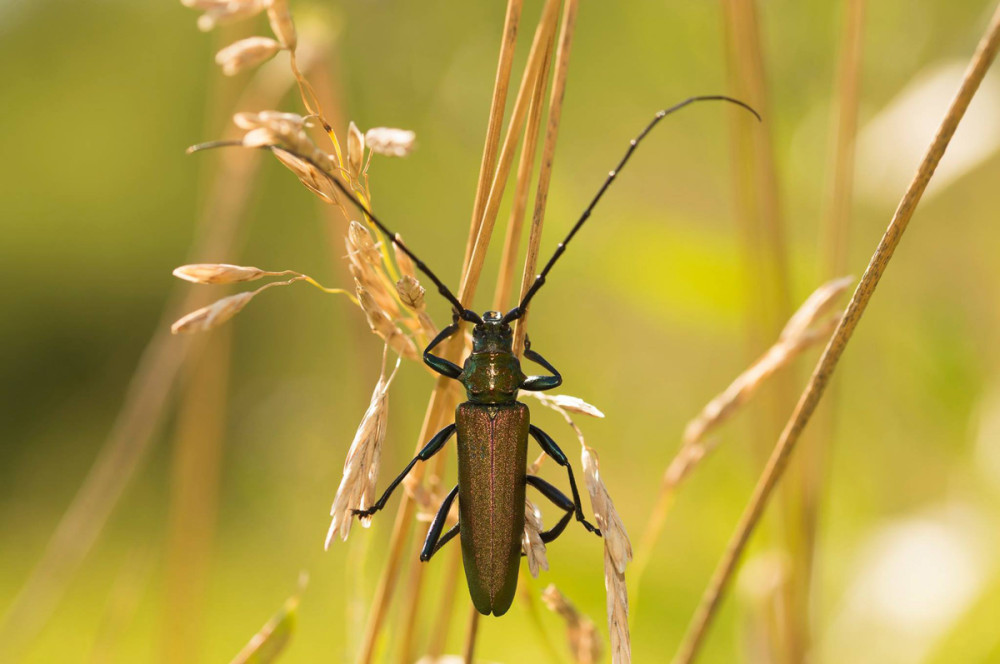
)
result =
(493, 426)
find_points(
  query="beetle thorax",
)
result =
(492, 373)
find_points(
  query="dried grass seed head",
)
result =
(357, 488)
(308, 175)
(584, 642)
(213, 315)
(223, 11)
(246, 54)
(390, 142)
(355, 150)
(218, 273)
(531, 539)
(616, 540)
(282, 25)
(382, 324)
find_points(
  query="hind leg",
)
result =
(434, 539)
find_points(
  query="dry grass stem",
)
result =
(584, 642)
(548, 156)
(617, 554)
(357, 488)
(197, 445)
(842, 185)
(266, 645)
(471, 631)
(810, 398)
(487, 166)
(537, 60)
(444, 397)
(525, 169)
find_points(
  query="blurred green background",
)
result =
(645, 317)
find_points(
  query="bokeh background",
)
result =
(646, 317)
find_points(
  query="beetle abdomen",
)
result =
(492, 457)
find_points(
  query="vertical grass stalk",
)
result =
(820, 379)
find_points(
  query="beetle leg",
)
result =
(549, 447)
(429, 450)
(434, 539)
(560, 500)
(439, 364)
(539, 383)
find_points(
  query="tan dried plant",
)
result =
(358, 485)
(581, 633)
(809, 326)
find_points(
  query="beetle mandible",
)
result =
(493, 427)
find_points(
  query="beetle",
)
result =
(493, 427)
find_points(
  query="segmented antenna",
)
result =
(460, 311)
(519, 310)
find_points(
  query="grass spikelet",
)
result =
(531, 540)
(411, 292)
(390, 142)
(223, 11)
(270, 641)
(282, 25)
(311, 177)
(215, 314)
(357, 487)
(382, 324)
(403, 261)
(246, 54)
(564, 403)
(355, 150)
(584, 642)
(219, 273)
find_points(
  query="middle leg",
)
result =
(549, 447)
(560, 500)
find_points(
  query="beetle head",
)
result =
(492, 335)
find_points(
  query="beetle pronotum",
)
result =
(493, 427)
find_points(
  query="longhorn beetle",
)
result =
(493, 426)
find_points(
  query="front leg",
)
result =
(539, 383)
(549, 447)
(429, 450)
(439, 364)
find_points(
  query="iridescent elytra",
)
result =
(493, 427)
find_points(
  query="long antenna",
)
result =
(461, 311)
(519, 310)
